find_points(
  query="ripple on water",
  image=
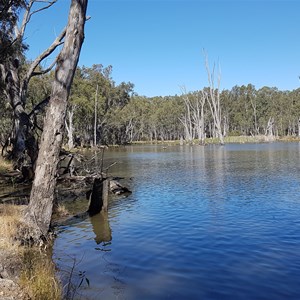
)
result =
(201, 223)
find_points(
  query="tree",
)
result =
(193, 119)
(186, 119)
(9, 10)
(15, 75)
(39, 211)
(213, 99)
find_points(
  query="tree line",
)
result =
(103, 112)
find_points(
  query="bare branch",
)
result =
(26, 17)
(46, 70)
(50, 3)
(46, 53)
(39, 106)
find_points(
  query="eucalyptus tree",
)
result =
(240, 110)
(252, 98)
(294, 115)
(94, 101)
(15, 75)
(9, 10)
(266, 110)
(186, 118)
(39, 211)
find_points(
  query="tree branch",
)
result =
(58, 41)
(50, 3)
(20, 32)
(46, 70)
(39, 106)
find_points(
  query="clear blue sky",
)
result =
(157, 45)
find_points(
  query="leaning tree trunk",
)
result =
(39, 211)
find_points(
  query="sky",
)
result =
(158, 44)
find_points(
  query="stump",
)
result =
(98, 199)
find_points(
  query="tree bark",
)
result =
(70, 128)
(39, 211)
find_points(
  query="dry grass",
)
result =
(10, 216)
(5, 165)
(37, 275)
(61, 211)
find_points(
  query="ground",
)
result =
(9, 275)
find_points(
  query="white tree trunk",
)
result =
(214, 101)
(95, 117)
(70, 128)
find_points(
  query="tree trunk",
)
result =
(39, 211)
(95, 117)
(15, 79)
(269, 132)
(214, 102)
(70, 128)
(22, 136)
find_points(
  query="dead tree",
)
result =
(193, 118)
(198, 116)
(213, 99)
(39, 211)
(186, 119)
(16, 82)
(269, 132)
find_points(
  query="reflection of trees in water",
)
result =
(101, 228)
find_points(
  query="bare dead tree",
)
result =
(186, 119)
(193, 118)
(213, 99)
(39, 211)
(269, 132)
(199, 115)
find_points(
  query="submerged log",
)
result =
(117, 188)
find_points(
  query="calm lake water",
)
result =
(214, 222)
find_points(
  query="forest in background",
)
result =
(103, 112)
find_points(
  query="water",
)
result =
(202, 223)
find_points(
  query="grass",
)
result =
(61, 211)
(239, 139)
(38, 276)
(5, 165)
(37, 272)
(10, 216)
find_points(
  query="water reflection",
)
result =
(202, 223)
(101, 228)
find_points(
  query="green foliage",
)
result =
(108, 100)
(9, 10)
(123, 117)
